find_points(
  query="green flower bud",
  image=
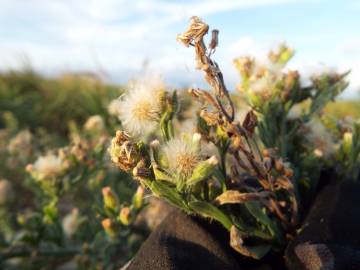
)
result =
(203, 170)
(110, 227)
(110, 199)
(138, 197)
(125, 216)
(347, 142)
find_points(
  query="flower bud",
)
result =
(214, 39)
(196, 137)
(110, 199)
(245, 66)
(141, 171)
(279, 166)
(267, 163)
(125, 216)
(282, 55)
(347, 141)
(203, 170)
(138, 197)
(288, 172)
(266, 153)
(110, 227)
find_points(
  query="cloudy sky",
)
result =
(116, 37)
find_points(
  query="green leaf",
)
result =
(255, 210)
(162, 175)
(168, 193)
(208, 210)
(202, 171)
(249, 230)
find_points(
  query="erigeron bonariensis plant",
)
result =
(249, 175)
(247, 189)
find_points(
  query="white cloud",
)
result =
(118, 34)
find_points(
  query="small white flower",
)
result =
(141, 109)
(95, 122)
(183, 154)
(47, 166)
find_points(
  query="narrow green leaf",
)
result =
(168, 193)
(208, 210)
(254, 208)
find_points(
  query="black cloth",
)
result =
(329, 238)
(182, 242)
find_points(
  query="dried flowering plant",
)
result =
(218, 171)
(254, 172)
(251, 175)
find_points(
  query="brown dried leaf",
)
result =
(234, 196)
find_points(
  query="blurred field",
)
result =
(34, 101)
(29, 100)
(344, 108)
(39, 114)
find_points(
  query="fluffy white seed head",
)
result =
(94, 123)
(47, 166)
(316, 135)
(114, 107)
(183, 156)
(141, 109)
(71, 222)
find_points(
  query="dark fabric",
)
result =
(328, 240)
(330, 236)
(182, 242)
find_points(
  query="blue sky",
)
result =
(116, 37)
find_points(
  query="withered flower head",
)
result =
(124, 153)
(195, 32)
